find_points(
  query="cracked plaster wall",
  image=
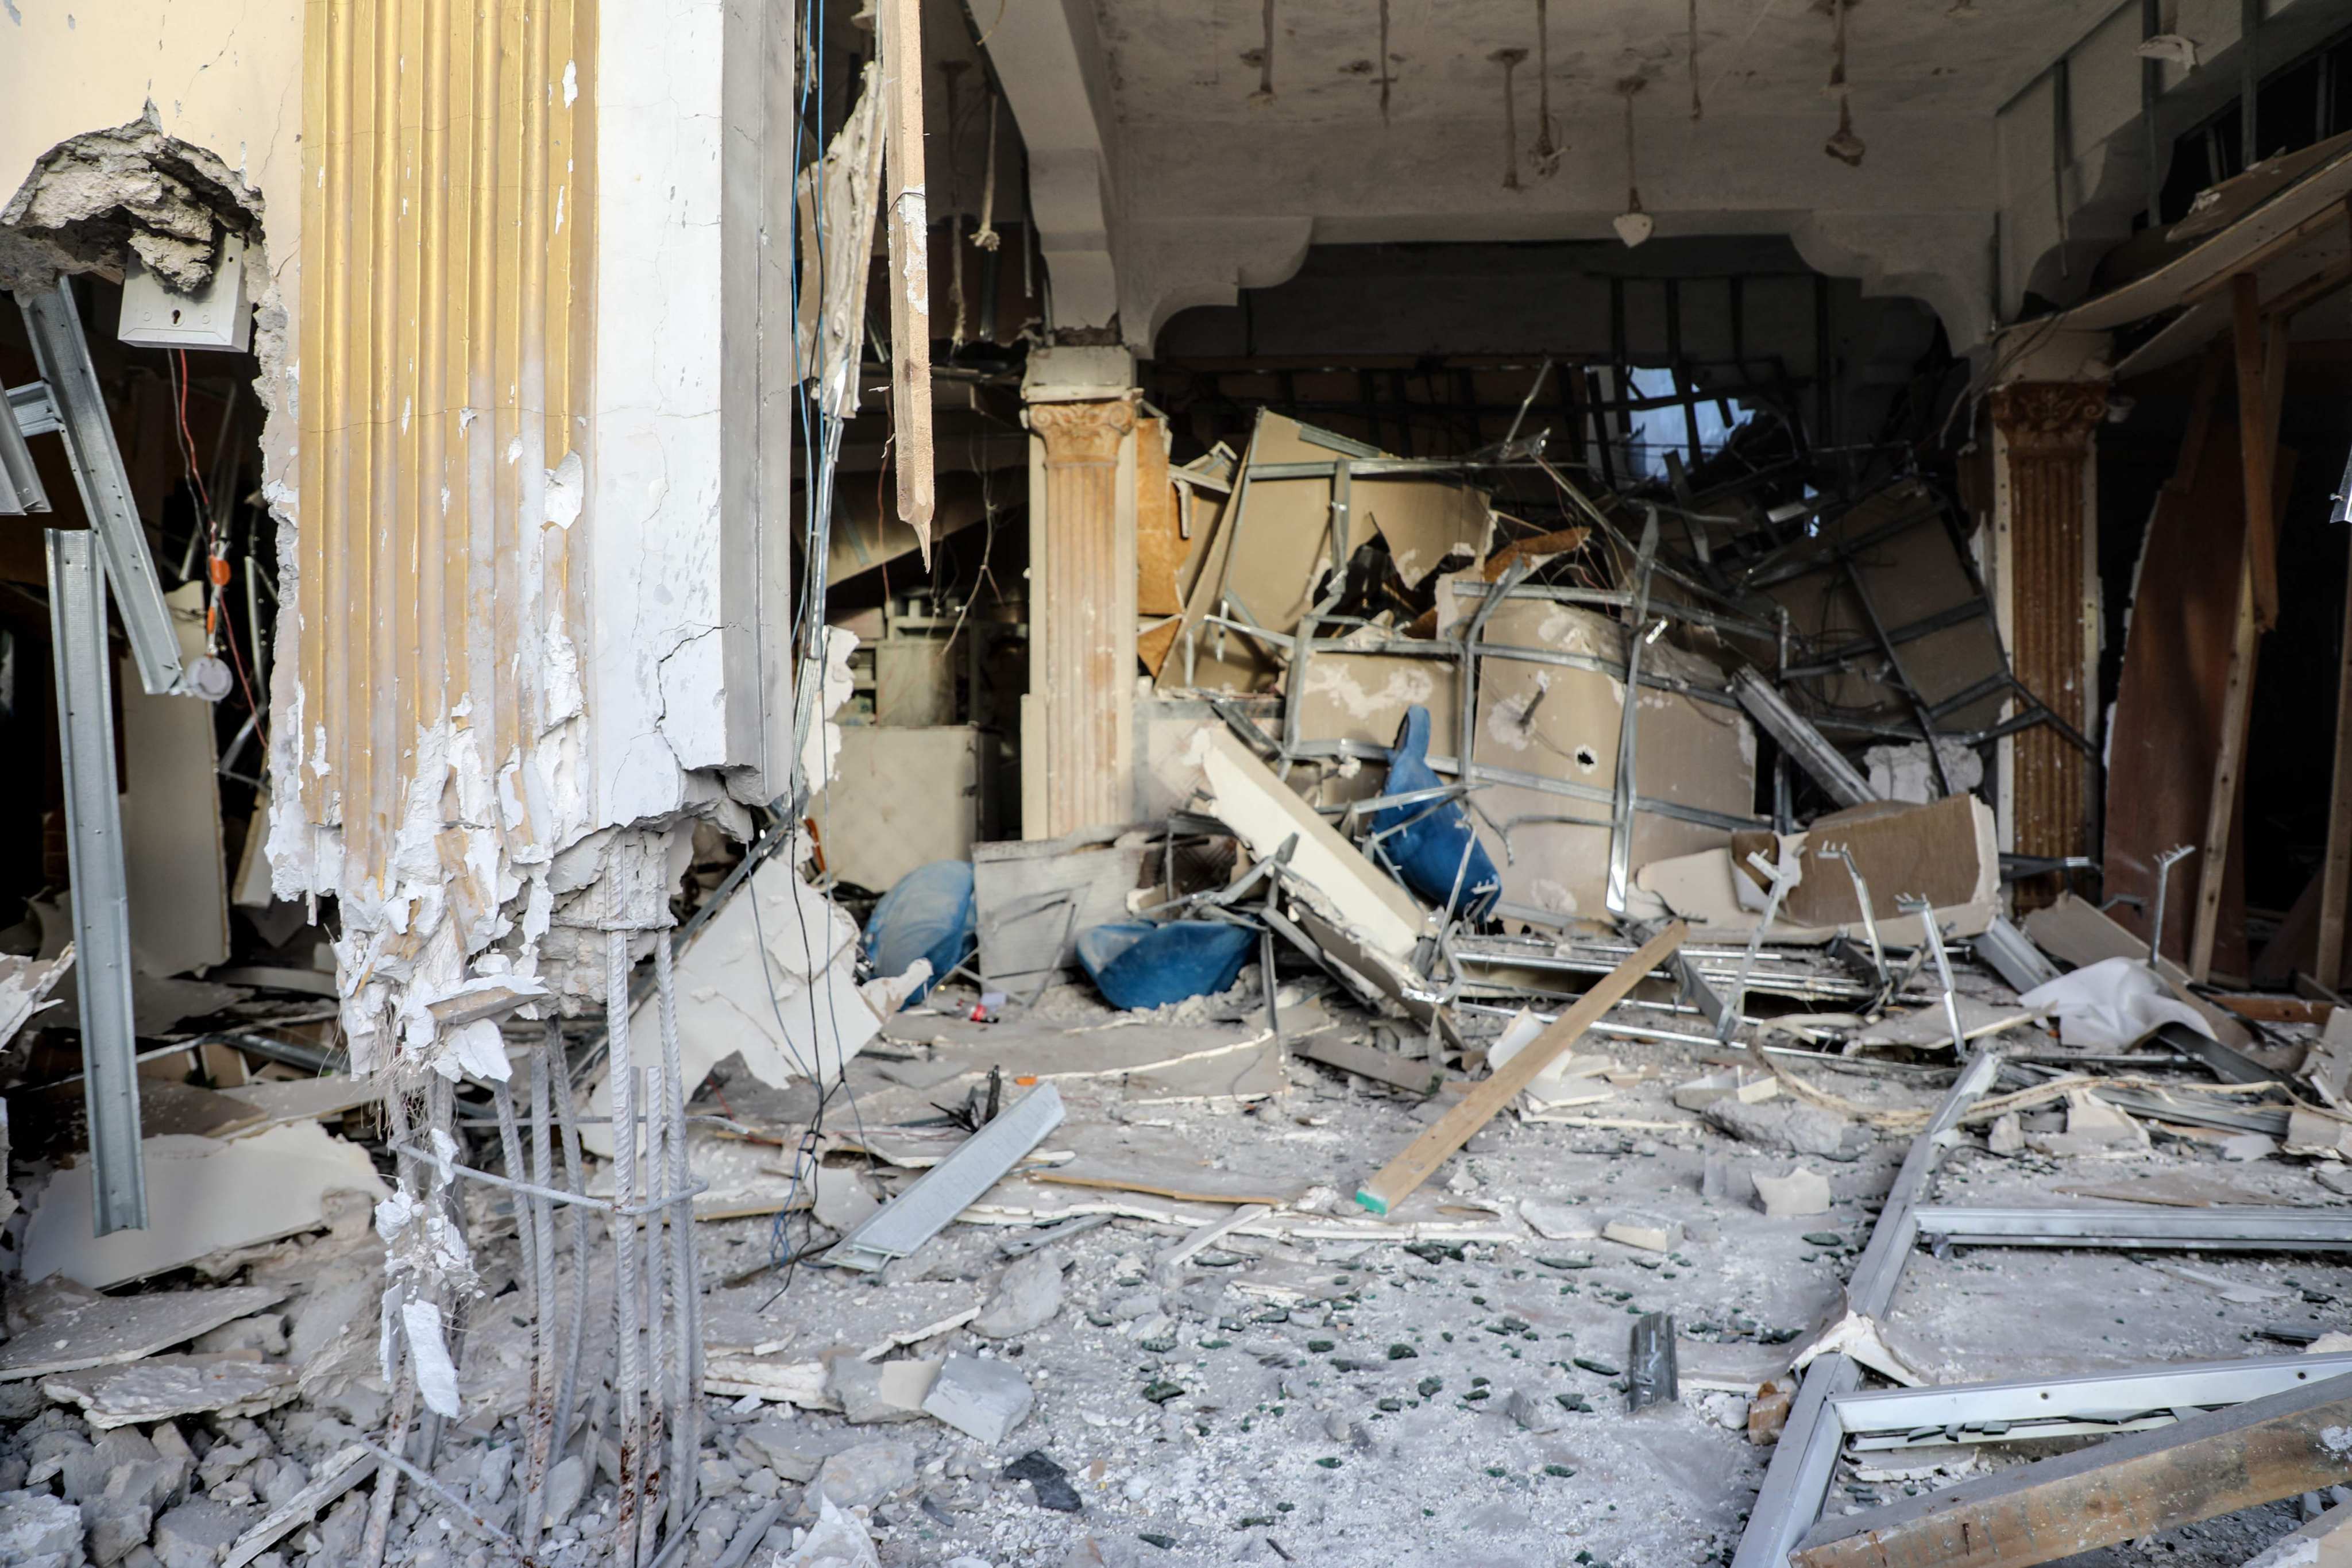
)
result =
(225, 76)
(657, 679)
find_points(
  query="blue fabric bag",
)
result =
(1427, 856)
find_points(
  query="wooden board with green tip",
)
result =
(1397, 1179)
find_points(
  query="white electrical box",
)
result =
(218, 316)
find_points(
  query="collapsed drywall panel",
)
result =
(772, 976)
(24, 987)
(1161, 541)
(1264, 563)
(1266, 815)
(1199, 493)
(204, 1195)
(172, 856)
(1552, 721)
(1426, 522)
(900, 798)
(1360, 699)
(1946, 851)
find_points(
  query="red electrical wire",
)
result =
(216, 565)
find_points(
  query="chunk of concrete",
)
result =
(1557, 1221)
(199, 1533)
(1800, 1192)
(116, 1529)
(38, 1531)
(1532, 1413)
(784, 1447)
(838, 1540)
(864, 1474)
(87, 1472)
(164, 1386)
(981, 1399)
(1026, 1297)
(567, 1483)
(2005, 1135)
(1792, 1128)
(2093, 1128)
(1647, 1232)
(878, 1391)
(264, 1331)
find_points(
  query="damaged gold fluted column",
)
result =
(1082, 621)
(2044, 429)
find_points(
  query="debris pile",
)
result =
(1561, 1038)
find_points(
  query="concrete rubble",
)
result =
(1208, 1345)
(1073, 943)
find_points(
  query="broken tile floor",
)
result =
(1445, 1386)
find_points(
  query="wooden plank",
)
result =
(2166, 725)
(1161, 546)
(1167, 1179)
(2336, 869)
(1397, 1179)
(2211, 1464)
(2259, 350)
(2264, 1008)
(901, 40)
(1384, 1067)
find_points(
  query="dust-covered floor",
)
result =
(1444, 1385)
(1343, 1400)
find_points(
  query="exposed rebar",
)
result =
(685, 1274)
(629, 1409)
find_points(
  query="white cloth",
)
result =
(2112, 1004)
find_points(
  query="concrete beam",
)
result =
(1050, 60)
(1218, 205)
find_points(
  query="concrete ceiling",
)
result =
(1177, 61)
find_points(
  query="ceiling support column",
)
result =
(1079, 720)
(2046, 518)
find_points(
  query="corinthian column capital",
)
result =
(1082, 434)
(2052, 418)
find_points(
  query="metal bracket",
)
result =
(2232, 1228)
(54, 325)
(1621, 827)
(2166, 859)
(1839, 853)
(1798, 1479)
(2068, 1406)
(21, 490)
(1927, 913)
(102, 897)
(1799, 740)
(952, 1185)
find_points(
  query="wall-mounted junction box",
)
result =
(218, 316)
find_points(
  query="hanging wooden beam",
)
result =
(2118, 1490)
(910, 263)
